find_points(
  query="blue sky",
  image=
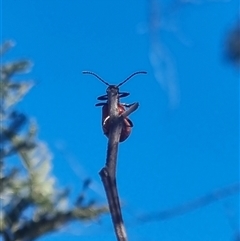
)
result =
(185, 139)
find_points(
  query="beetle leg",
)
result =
(127, 105)
(105, 120)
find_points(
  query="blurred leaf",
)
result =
(233, 45)
(6, 46)
(17, 67)
(12, 93)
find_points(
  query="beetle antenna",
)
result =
(92, 73)
(129, 77)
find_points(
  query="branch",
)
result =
(110, 187)
(205, 200)
(17, 209)
(131, 109)
(108, 173)
(34, 229)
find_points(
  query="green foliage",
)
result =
(31, 202)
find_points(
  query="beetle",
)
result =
(127, 123)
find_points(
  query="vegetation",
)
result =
(31, 202)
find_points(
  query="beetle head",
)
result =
(114, 88)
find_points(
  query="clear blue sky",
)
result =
(185, 139)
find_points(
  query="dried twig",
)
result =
(200, 202)
(108, 173)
